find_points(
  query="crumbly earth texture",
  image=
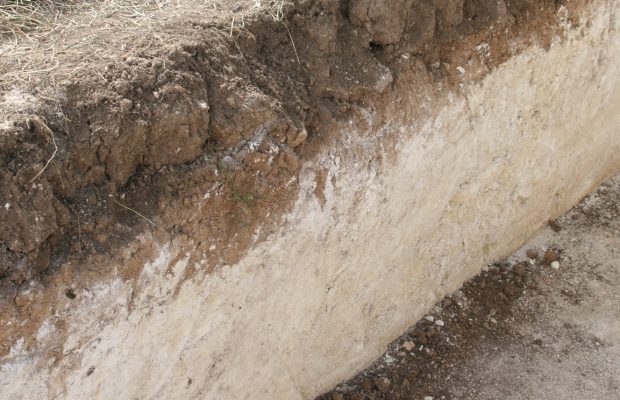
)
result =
(215, 118)
(525, 328)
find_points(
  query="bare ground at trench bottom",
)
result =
(521, 329)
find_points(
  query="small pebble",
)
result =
(550, 256)
(439, 323)
(555, 265)
(101, 238)
(428, 352)
(383, 384)
(493, 321)
(430, 318)
(388, 359)
(428, 397)
(510, 289)
(554, 225)
(520, 269)
(532, 253)
(408, 345)
(126, 105)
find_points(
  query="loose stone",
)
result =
(520, 269)
(383, 384)
(550, 256)
(408, 345)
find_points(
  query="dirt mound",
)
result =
(204, 137)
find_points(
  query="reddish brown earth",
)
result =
(203, 138)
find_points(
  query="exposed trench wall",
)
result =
(323, 296)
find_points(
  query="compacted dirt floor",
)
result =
(542, 324)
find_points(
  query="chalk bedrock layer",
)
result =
(322, 297)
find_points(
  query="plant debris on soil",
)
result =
(520, 329)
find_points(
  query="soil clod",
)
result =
(532, 254)
(550, 256)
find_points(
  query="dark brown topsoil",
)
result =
(161, 128)
(203, 138)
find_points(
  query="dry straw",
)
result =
(45, 41)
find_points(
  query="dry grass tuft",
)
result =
(274, 8)
(19, 17)
(45, 41)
